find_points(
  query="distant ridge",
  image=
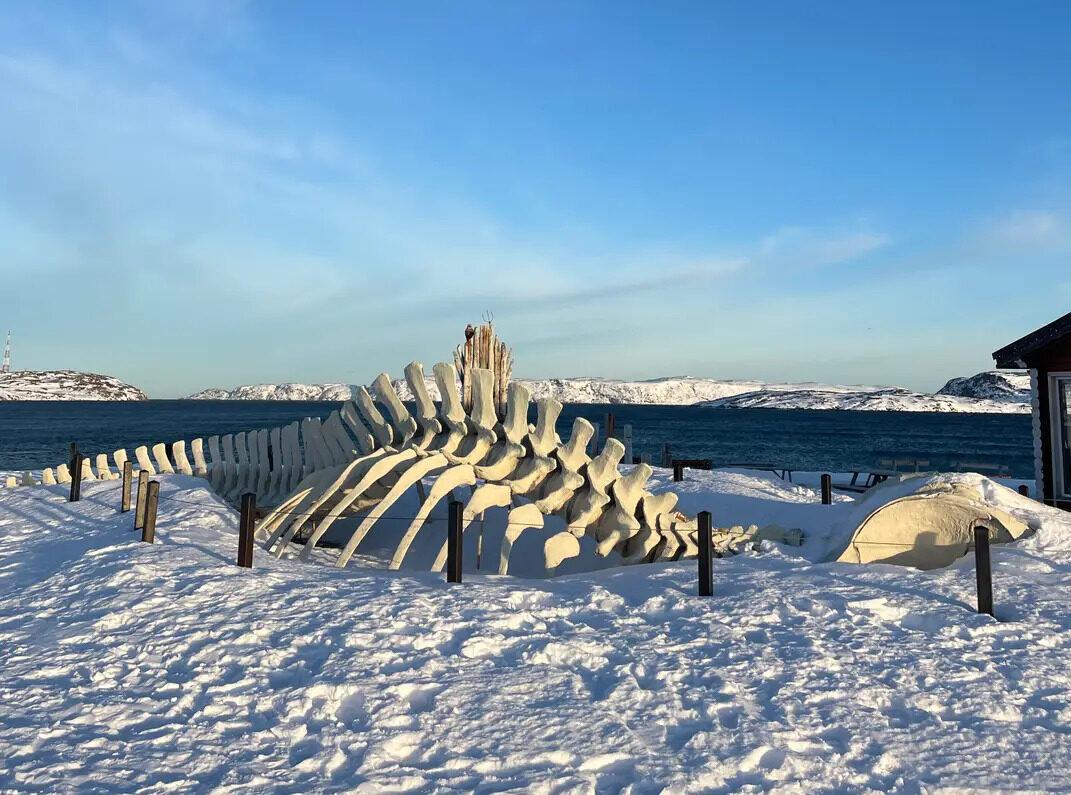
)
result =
(991, 392)
(64, 385)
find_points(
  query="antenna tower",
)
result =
(6, 366)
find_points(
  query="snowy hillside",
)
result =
(64, 385)
(278, 392)
(134, 667)
(685, 390)
(864, 399)
(995, 385)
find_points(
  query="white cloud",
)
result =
(1029, 230)
(812, 248)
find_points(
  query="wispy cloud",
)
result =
(1032, 230)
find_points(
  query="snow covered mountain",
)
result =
(998, 385)
(818, 396)
(278, 392)
(988, 396)
(64, 385)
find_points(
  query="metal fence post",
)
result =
(453, 542)
(152, 499)
(139, 509)
(128, 477)
(706, 576)
(76, 478)
(827, 490)
(982, 570)
(246, 525)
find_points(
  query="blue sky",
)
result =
(210, 193)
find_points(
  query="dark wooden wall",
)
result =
(1053, 358)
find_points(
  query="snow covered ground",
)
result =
(125, 666)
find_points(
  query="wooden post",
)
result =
(666, 459)
(76, 478)
(827, 490)
(611, 426)
(636, 459)
(982, 570)
(453, 542)
(596, 437)
(139, 509)
(706, 554)
(626, 439)
(246, 525)
(152, 499)
(128, 478)
(1024, 489)
(678, 471)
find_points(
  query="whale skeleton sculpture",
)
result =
(358, 463)
(509, 464)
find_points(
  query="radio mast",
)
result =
(6, 366)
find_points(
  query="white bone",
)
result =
(142, 456)
(47, 478)
(462, 475)
(103, 472)
(365, 441)
(382, 432)
(487, 495)
(200, 466)
(63, 474)
(120, 459)
(559, 547)
(519, 520)
(159, 452)
(404, 425)
(182, 463)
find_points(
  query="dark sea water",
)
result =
(35, 435)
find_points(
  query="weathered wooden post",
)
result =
(706, 554)
(128, 478)
(983, 573)
(76, 478)
(827, 490)
(484, 350)
(667, 460)
(611, 425)
(453, 542)
(1024, 489)
(139, 509)
(246, 525)
(595, 437)
(678, 471)
(626, 439)
(152, 499)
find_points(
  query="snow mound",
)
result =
(64, 385)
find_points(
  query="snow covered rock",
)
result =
(995, 385)
(329, 392)
(863, 399)
(65, 385)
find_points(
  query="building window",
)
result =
(1061, 434)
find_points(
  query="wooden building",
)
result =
(1046, 353)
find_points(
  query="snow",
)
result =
(125, 666)
(986, 392)
(64, 385)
